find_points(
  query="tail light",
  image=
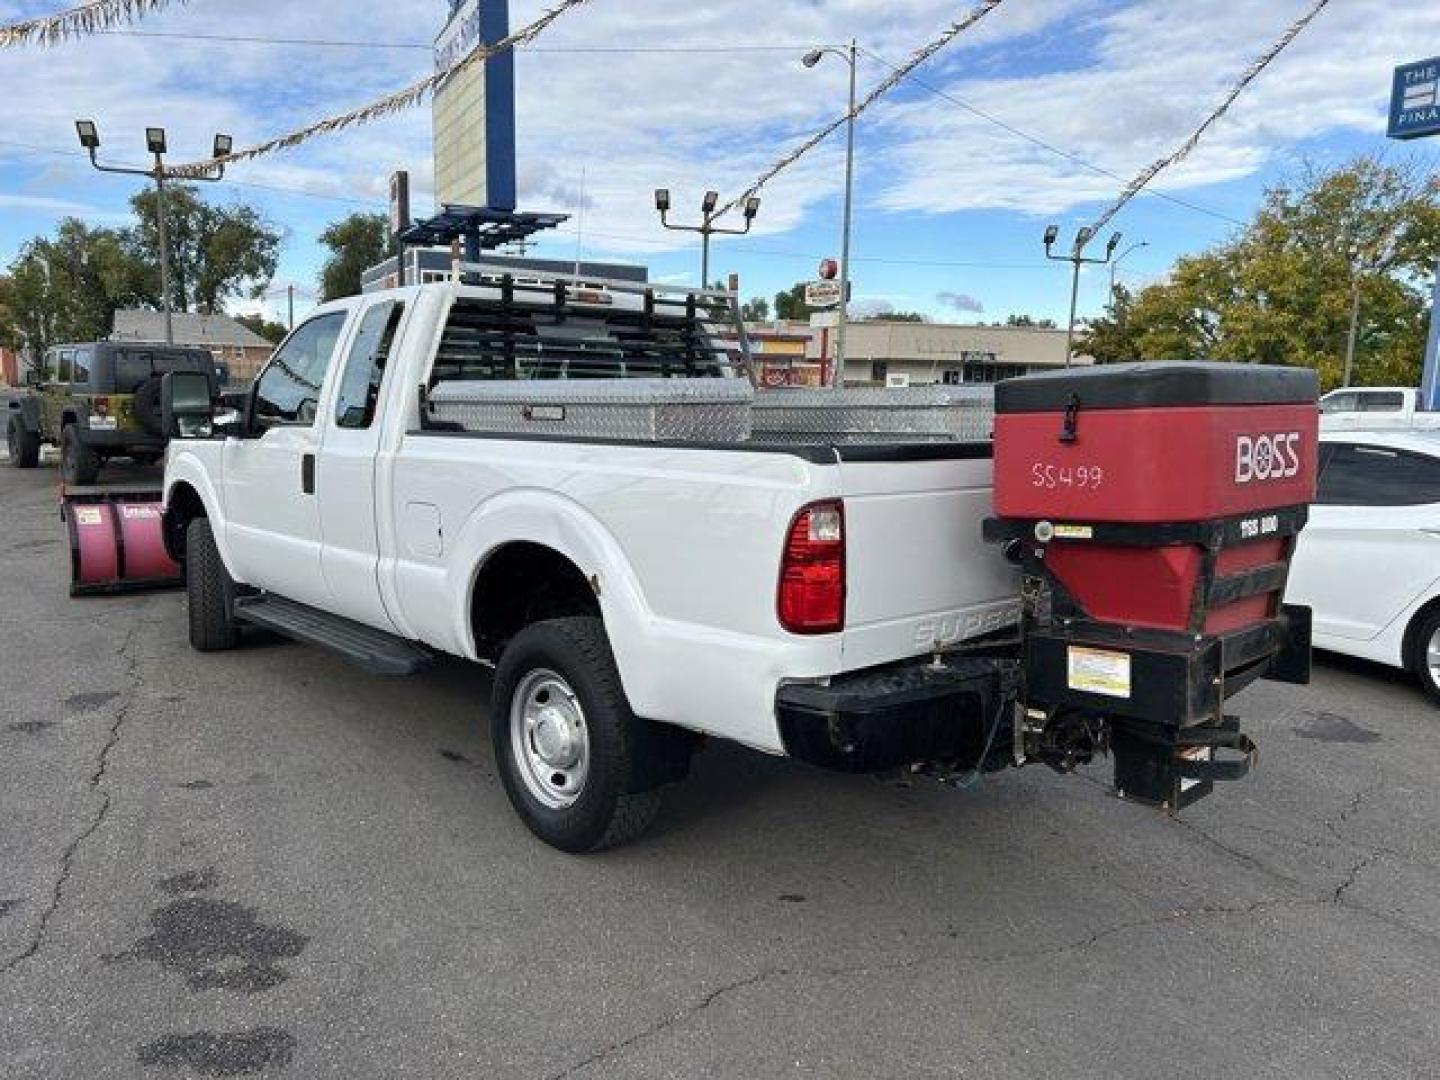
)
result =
(100, 406)
(812, 571)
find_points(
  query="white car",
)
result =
(1375, 408)
(1368, 563)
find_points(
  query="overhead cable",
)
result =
(93, 17)
(1251, 74)
(889, 83)
(407, 98)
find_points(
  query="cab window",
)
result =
(81, 366)
(1360, 475)
(1337, 403)
(67, 361)
(288, 392)
(1389, 401)
(365, 366)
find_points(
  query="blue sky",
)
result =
(951, 207)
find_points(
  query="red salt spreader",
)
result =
(1154, 509)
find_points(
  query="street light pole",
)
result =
(850, 56)
(1354, 328)
(1118, 259)
(89, 135)
(1077, 257)
(707, 227)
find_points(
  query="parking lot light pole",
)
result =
(707, 227)
(155, 143)
(1114, 265)
(1077, 257)
(849, 55)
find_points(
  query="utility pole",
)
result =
(850, 56)
(1354, 328)
(290, 292)
(707, 227)
(155, 143)
(1077, 257)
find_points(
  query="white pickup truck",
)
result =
(1375, 408)
(632, 595)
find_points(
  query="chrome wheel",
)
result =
(1432, 658)
(549, 738)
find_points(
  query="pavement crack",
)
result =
(94, 782)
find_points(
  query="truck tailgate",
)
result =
(918, 573)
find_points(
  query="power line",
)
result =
(965, 106)
(420, 46)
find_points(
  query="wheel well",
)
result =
(1407, 648)
(184, 507)
(524, 583)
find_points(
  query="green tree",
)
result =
(1029, 321)
(756, 309)
(217, 253)
(1281, 290)
(790, 304)
(67, 287)
(896, 316)
(356, 243)
(273, 332)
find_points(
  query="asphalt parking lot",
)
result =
(266, 863)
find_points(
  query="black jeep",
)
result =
(95, 402)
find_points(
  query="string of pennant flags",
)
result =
(94, 17)
(918, 57)
(399, 101)
(1154, 169)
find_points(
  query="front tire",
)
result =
(1425, 654)
(570, 752)
(79, 465)
(209, 591)
(23, 444)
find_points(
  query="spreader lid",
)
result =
(1158, 385)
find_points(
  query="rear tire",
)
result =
(23, 444)
(1425, 654)
(79, 465)
(209, 591)
(571, 754)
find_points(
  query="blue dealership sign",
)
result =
(1415, 102)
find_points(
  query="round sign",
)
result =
(829, 269)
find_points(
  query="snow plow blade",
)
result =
(116, 544)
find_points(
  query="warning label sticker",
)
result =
(88, 515)
(1096, 671)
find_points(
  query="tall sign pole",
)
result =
(1414, 114)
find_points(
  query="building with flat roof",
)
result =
(926, 353)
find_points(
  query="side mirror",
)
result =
(187, 410)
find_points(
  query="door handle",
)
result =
(307, 474)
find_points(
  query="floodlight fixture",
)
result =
(223, 145)
(662, 199)
(89, 134)
(813, 57)
(712, 200)
(1112, 245)
(155, 140)
(752, 206)
(1052, 232)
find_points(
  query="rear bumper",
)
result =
(116, 442)
(884, 718)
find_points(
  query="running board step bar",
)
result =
(374, 650)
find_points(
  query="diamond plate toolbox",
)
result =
(626, 410)
(875, 415)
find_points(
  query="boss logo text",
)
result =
(1267, 457)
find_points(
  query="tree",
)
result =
(790, 304)
(896, 316)
(1028, 321)
(217, 253)
(273, 332)
(1281, 291)
(356, 243)
(756, 309)
(67, 287)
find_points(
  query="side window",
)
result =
(288, 392)
(1387, 402)
(1357, 475)
(67, 362)
(365, 366)
(1335, 403)
(82, 366)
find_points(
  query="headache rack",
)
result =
(559, 326)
